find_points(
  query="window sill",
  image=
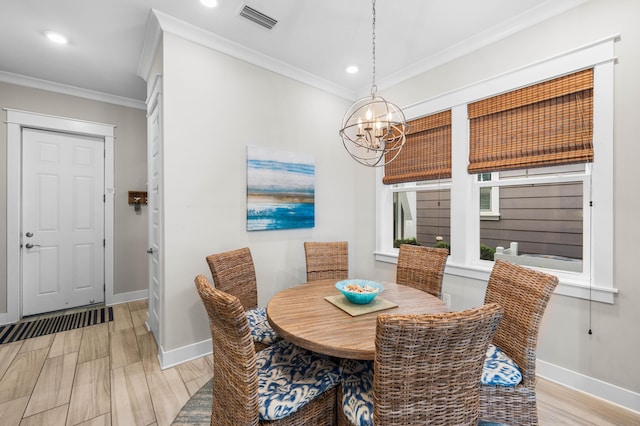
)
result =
(570, 284)
(489, 216)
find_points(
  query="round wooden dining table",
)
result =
(303, 316)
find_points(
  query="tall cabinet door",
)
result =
(155, 210)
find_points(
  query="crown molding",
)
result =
(531, 17)
(150, 46)
(160, 22)
(64, 89)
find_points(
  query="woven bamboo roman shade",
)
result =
(549, 123)
(426, 153)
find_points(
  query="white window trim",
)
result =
(597, 283)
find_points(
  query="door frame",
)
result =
(16, 121)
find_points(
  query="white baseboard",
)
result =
(119, 298)
(603, 390)
(183, 354)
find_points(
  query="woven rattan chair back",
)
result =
(235, 382)
(327, 260)
(233, 272)
(524, 294)
(427, 368)
(421, 267)
(235, 378)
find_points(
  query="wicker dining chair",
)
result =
(426, 370)
(233, 272)
(523, 293)
(421, 267)
(280, 385)
(327, 260)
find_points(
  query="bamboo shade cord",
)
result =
(426, 153)
(550, 123)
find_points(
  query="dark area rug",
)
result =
(197, 411)
(27, 329)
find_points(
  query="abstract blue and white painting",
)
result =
(280, 189)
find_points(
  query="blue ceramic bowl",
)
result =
(356, 297)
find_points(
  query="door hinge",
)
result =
(104, 243)
(104, 198)
(104, 287)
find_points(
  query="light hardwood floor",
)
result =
(109, 374)
(106, 374)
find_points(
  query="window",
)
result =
(534, 131)
(421, 214)
(489, 197)
(541, 223)
(559, 214)
(415, 178)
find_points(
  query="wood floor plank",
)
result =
(94, 343)
(37, 343)
(124, 348)
(12, 411)
(8, 351)
(66, 342)
(54, 417)
(138, 305)
(103, 420)
(54, 385)
(194, 385)
(91, 393)
(148, 353)
(139, 318)
(168, 393)
(195, 369)
(560, 404)
(121, 318)
(130, 398)
(21, 376)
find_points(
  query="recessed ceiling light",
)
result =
(210, 3)
(352, 69)
(56, 37)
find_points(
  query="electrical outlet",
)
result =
(446, 298)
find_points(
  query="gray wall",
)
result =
(130, 230)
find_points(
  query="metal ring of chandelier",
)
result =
(373, 131)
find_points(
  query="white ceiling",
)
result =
(319, 37)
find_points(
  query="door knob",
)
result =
(29, 245)
(150, 251)
(29, 234)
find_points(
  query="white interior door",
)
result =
(154, 205)
(62, 221)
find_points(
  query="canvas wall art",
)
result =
(280, 189)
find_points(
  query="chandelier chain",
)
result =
(374, 88)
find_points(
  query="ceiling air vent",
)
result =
(258, 17)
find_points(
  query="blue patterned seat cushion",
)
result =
(499, 369)
(289, 377)
(357, 391)
(261, 330)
